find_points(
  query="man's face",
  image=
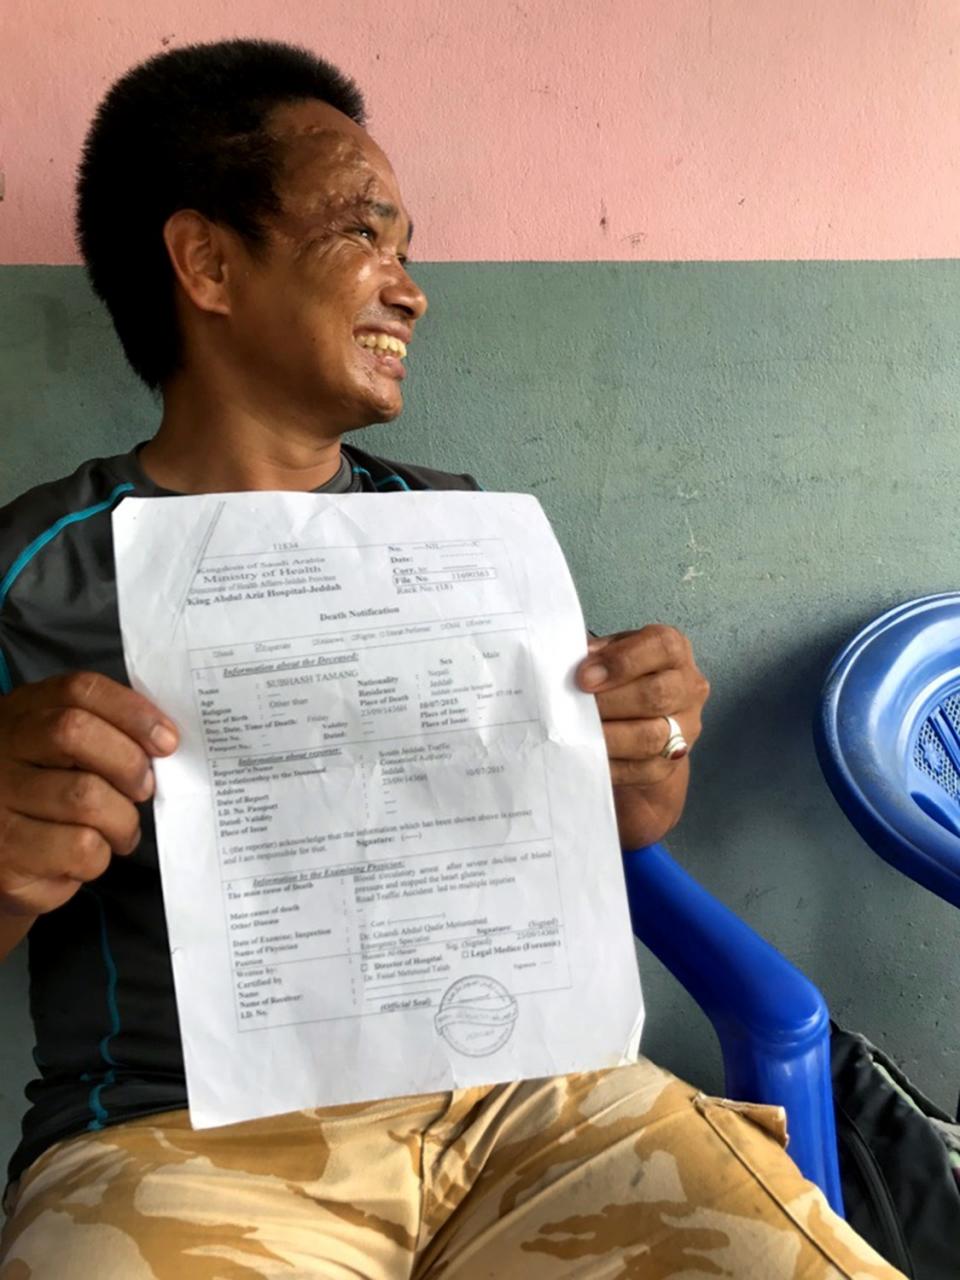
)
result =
(319, 315)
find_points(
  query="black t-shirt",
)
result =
(101, 986)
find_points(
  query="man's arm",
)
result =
(639, 679)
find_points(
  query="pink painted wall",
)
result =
(546, 129)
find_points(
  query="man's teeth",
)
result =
(383, 342)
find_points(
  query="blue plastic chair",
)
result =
(771, 1021)
(888, 739)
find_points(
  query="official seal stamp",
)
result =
(476, 1015)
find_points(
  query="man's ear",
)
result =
(197, 249)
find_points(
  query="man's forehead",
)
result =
(329, 169)
(328, 150)
(316, 132)
(329, 157)
(310, 115)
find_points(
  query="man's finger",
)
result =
(640, 773)
(635, 653)
(663, 693)
(123, 708)
(71, 738)
(75, 798)
(641, 740)
(35, 851)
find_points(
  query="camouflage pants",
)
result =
(623, 1173)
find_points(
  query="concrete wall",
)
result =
(763, 454)
(760, 452)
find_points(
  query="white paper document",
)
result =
(387, 842)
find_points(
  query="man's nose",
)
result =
(404, 294)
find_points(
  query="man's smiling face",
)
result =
(325, 312)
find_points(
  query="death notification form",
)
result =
(387, 841)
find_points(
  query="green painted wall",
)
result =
(763, 454)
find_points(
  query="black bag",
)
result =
(899, 1162)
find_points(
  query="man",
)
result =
(250, 241)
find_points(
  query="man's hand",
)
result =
(639, 678)
(75, 759)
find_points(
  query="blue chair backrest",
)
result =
(888, 738)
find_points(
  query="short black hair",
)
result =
(185, 130)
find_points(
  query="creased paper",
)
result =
(387, 841)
